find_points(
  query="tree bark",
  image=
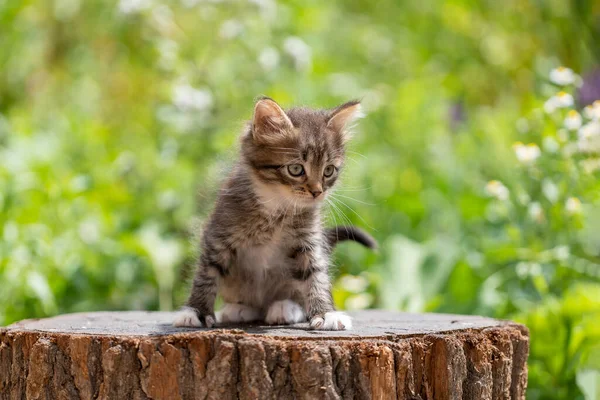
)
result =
(139, 355)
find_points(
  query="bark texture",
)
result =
(138, 355)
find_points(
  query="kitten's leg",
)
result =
(312, 269)
(321, 312)
(238, 313)
(285, 312)
(199, 308)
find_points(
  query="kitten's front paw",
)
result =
(188, 318)
(332, 321)
(285, 312)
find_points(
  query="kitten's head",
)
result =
(296, 155)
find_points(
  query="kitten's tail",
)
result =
(341, 233)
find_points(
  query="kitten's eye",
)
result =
(329, 170)
(296, 170)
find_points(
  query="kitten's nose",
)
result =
(316, 193)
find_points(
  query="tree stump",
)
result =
(139, 355)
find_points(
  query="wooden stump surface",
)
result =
(139, 355)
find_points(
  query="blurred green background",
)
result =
(119, 119)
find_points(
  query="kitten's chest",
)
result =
(269, 254)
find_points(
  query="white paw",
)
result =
(238, 313)
(186, 317)
(285, 312)
(332, 321)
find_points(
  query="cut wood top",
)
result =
(367, 324)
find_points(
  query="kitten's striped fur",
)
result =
(264, 248)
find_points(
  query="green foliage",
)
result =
(119, 119)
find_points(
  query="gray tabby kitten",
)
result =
(264, 248)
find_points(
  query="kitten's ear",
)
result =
(270, 121)
(342, 117)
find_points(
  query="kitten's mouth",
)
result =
(308, 198)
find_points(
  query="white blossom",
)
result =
(268, 58)
(562, 253)
(593, 111)
(589, 137)
(168, 200)
(186, 97)
(563, 76)
(11, 231)
(550, 144)
(299, 51)
(497, 189)
(355, 284)
(133, 6)
(536, 212)
(527, 153)
(590, 165)
(164, 253)
(268, 8)
(359, 301)
(231, 29)
(573, 205)
(573, 120)
(525, 269)
(89, 231)
(560, 100)
(550, 190)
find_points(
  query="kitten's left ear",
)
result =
(342, 117)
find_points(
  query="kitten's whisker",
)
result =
(358, 215)
(352, 198)
(351, 190)
(344, 217)
(357, 153)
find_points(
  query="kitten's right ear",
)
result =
(270, 121)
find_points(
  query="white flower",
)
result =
(562, 253)
(590, 165)
(355, 284)
(164, 253)
(525, 269)
(168, 200)
(590, 130)
(527, 153)
(89, 231)
(563, 76)
(550, 144)
(133, 6)
(564, 99)
(268, 8)
(593, 111)
(359, 301)
(231, 29)
(560, 100)
(186, 97)
(550, 105)
(573, 120)
(550, 190)
(11, 231)
(269, 58)
(589, 137)
(497, 189)
(573, 205)
(299, 51)
(535, 212)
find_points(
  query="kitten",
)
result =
(264, 249)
